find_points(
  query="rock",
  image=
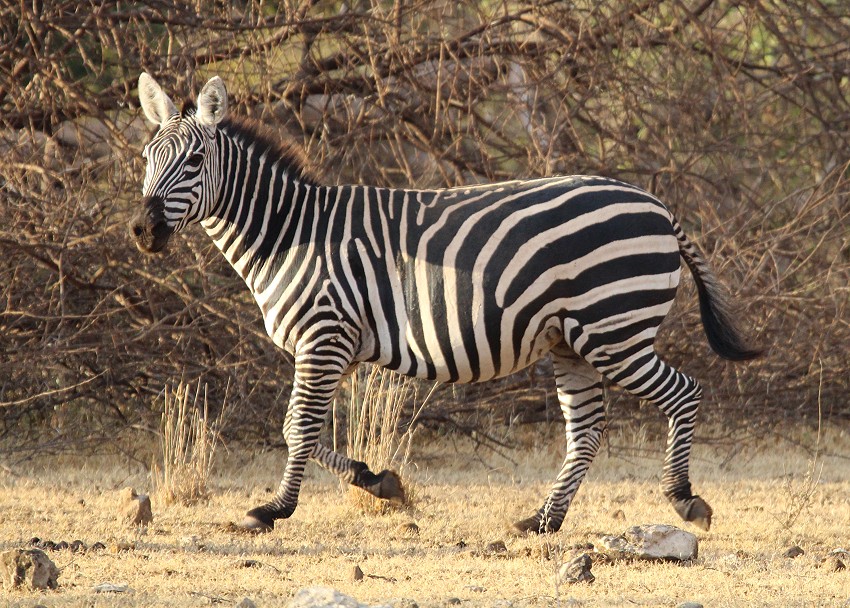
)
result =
(135, 508)
(323, 597)
(452, 601)
(401, 602)
(690, 605)
(836, 560)
(408, 529)
(191, 543)
(111, 588)
(495, 548)
(618, 514)
(120, 546)
(650, 542)
(78, 546)
(793, 552)
(357, 573)
(246, 603)
(29, 568)
(577, 570)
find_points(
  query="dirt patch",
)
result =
(461, 552)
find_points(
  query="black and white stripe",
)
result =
(457, 285)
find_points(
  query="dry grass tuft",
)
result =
(376, 434)
(799, 490)
(188, 443)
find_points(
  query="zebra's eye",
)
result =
(195, 160)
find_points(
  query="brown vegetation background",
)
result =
(735, 113)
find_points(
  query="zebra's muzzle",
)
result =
(149, 228)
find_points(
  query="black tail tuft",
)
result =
(723, 333)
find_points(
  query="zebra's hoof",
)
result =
(532, 525)
(389, 487)
(696, 511)
(257, 521)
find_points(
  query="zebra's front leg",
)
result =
(580, 395)
(386, 484)
(317, 376)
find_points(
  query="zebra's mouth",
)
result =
(148, 227)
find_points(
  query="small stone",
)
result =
(357, 573)
(690, 605)
(836, 560)
(111, 588)
(98, 546)
(78, 546)
(192, 543)
(495, 548)
(246, 603)
(577, 570)
(476, 588)
(322, 597)
(29, 568)
(61, 545)
(401, 602)
(618, 514)
(651, 542)
(120, 546)
(408, 529)
(135, 508)
(793, 552)
(452, 601)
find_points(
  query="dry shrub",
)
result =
(378, 431)
(733, 113)
(188, 440)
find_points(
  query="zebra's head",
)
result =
(181, 182)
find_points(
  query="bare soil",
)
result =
(766, 499)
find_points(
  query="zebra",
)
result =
(457, 285)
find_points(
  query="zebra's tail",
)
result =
(724, 335)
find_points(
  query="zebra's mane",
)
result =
(265, 139)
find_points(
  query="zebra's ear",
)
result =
(212, 102)
(156, 104)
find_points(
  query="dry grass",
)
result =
(466, 499)
(376, 433)
(188, 441)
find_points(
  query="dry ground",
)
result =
(765, 500)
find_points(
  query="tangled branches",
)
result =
(735, 113)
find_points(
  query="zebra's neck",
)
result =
(267, 218)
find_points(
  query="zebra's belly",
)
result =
(457, 360)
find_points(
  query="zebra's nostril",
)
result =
(137, 230)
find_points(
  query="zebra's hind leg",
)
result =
(677, 396)
(580, 395)
(386, 484)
